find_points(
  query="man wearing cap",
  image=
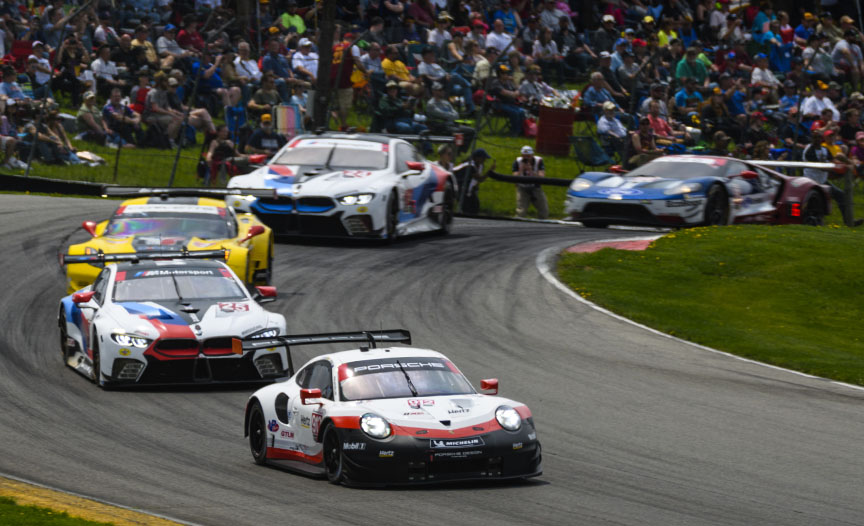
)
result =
(455, 84)
(42, 72)
(474, 170)
(397, 71)
(123, 123)
(820, 63)
(305, 61)
(690, 67)
(290, 20)
(657, 93)
(532, 88)
(142, 39)
(438, 36)
(813, 105)
(507, 99)
(848, 58)
(168, 49)
(264, 140)
(829, 28)
(688, 99)
(763, 76)
(441, 117)
(477, 34)
(790, 97)
(605, 37)
(282, 74)
(483, 67)
(498, 38)
(610, 78)
(89, 120)
(612, 132)
(530, 165)
(805, 29)
(397, 114)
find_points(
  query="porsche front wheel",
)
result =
(257, 432)
(716, 206)
(333, 459)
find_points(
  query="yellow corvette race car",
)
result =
(177, 219)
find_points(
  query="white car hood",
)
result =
(431, 411)
(290, 180)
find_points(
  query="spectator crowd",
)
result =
(754, 80)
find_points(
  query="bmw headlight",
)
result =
(356, 199)
(508, 418)
(127, 340)
(685, 188)
(375, 426)
(265, 333)
(581, 184)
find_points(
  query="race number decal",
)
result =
(316, 423)
(356, 173)
(233, 307)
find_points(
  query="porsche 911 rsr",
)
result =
(168, 322)
(690, 190)
(394, 415)
(175, 219)
(357, 185)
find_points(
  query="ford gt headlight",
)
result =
(356, 199)
(581, 184)
(685, 188)
(265, 333)
(375, 426)
(127, 340)
(508, 418)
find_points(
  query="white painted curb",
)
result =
(544, 265)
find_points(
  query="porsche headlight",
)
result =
(581, 184)
(356, 199)
(127, 340)
(685, 188)
(508, 418)
(265, 333)
(375, 426)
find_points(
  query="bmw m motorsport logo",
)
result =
(619, 191)
(465, 442)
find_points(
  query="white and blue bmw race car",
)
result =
(392, 415)
(349, 185)
(168, 321)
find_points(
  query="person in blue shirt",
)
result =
(790, 97)
(597, 94)
(622, 45)
(805, 29)
(211, 79)
(512, 22)
(281, 68)
(735, 93)
(688, 99)
(765, 14)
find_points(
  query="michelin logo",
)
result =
(465, 442)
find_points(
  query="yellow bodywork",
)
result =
(244, 258)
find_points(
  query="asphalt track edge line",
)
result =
(544, 265)
(97, 500)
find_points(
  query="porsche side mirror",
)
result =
(617, 169)
(90, 227)
(265, 294)
(310, 396)
(255, 230)
(83, 297)
(748, 174)
(490, 384)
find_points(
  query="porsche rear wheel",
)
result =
(716, 206)
(257, 434)
(813, 213)
(333, 459)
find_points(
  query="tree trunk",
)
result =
(321, 111)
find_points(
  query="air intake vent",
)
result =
(266, 366)
(127, 369)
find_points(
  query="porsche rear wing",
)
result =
(368, 337)
(135, 191)
(102, 258)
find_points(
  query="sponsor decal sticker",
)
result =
(456, 443)
(416, 404)
(356, 173)
(532, 436)
(354, 446)
(385, 454)
(517, 445)
(233, 307)
(273, 426)
(620, 191)
(286, 434)
(305, 421)
(316, 423)
(413, 413)
(456, 454)
(386, 365)
(362, 209)
(458, 411)
(124, 352)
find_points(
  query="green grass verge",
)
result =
(785, 295)
(12, 513)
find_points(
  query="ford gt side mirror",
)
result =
(749, 174)
(265, 294)
(90, 227)
(255, 230)
(490, 384)
(617, 169)
(310, 396)
(83, 297)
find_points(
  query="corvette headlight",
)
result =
(356, 199)
(686, 188)
(375, 426)
(266, 333)
(581, 184)
(127, 340)
(508, 418)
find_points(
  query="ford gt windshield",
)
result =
(160, 224)
(176, 284)
(337, 157)
(389, 378)
(681, 169)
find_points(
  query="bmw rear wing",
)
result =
(368, 337)
(135, 191)
(102, 258)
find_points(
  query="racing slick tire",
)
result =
(257, 432)
(716, 206)
(97, 363)
(64, 335)
(265, 277)
(588, 223)
(392, 217)
(445, 217)
(334, 460)
(813, 213)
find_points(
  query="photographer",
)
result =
(530, 165)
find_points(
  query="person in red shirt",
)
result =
(787, 32)
(189, 38)
(661, 127)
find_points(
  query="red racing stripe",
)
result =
(287, 454)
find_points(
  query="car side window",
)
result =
(100, 285)
(404, 154)
(735, 168)
(303, 376)
(321, 377)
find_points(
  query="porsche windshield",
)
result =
(679, 169)
(168, 224)
(400, 378)
(177, 284)
(336, 156)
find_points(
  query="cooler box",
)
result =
(554, 129)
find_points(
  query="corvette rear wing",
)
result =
(369, 337)
(101, 257)
(135, 191)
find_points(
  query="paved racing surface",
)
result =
(636, 429)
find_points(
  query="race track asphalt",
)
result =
(636, 428)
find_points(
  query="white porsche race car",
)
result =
(349, 185)
(168, 321)
(393, 415)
